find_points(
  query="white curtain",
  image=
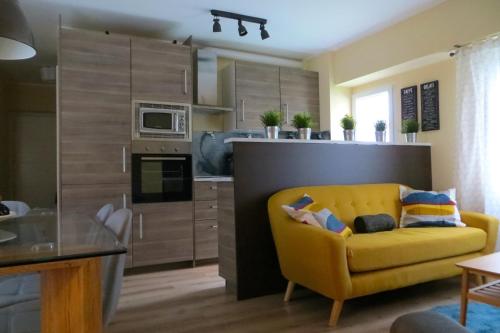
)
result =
(478, 127)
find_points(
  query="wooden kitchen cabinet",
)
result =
(94, 120)
(227, 235)
(162, 233)
(205, 220)
(254, 88)
(161, 71)
(299, 91)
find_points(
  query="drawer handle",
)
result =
(213, 207)
(213, 227)
(213, 187)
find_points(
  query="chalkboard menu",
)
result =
(429, 100)
(409, 109)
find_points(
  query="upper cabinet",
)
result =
(254, 88)
(161, 71)
(257, 91)
(299, 90)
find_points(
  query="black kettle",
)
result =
(4, 210)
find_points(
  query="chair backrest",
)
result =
(19, 207)
(104, 213)
(120, 223)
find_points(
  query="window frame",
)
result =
(385, 88)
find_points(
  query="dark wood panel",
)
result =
(205, 239)
(161, 71)
(167, 233)
(257, 265)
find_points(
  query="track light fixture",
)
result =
(242, 31)
(263, 32)
(216, 27)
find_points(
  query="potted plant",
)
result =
(303, 123)
(380, 130)
(348, 123)
(410, 129)
(271, 120)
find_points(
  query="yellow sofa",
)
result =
(364, 264)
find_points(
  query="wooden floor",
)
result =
(194, 300)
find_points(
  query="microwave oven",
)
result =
(162, 121)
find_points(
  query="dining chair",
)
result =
(19, 207)
(24, 316)
(104, 213)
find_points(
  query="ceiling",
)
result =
(298, 29)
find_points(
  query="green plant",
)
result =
(380, 125)
(348, 122)
(409, 126)
(302, 120)
(271, 118)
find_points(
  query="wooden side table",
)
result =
(489, 293)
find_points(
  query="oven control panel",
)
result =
(161, 147)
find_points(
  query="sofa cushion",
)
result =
(368, 252)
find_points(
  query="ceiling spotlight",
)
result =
(216, 27)
(263, 32)
(241, 29)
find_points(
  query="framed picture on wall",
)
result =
(409, 105)
(429, 105)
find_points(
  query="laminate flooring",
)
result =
(195, 300)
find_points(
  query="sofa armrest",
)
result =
(312, 257)
(485, 222)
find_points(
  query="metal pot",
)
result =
(380, 136)
(349, 135)
(272, 132)
(411, 137)
(305, 133)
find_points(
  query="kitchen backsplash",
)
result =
(211, 157)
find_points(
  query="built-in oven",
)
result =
(161, 178)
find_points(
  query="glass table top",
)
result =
(37, 238)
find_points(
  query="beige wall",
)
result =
(25, 98)
(432, 31)
(443, 140)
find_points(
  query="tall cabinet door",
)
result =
(299, 93)
(161, 71)
(257, 91)
(95, 120)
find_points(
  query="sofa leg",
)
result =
(335, 314)
(289, 291)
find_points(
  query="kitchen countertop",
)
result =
(213, 179)
(261, 140)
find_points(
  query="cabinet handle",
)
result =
(213, 207)
(140, 226)
(213, 187)
(213, 227)
(185, 82)
(124, 159)
(286, 113)
(242, 109)
(124, 198)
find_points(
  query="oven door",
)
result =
(161, 178)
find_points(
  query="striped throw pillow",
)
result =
(305, 210)
(429, 208)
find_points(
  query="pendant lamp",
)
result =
(16, 38)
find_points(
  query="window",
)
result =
(370, 106)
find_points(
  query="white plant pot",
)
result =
(304, 133)
(411, 137)
(272, 132)
(349, 135)
(380, 136)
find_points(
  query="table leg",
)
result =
(465, 291)
(71, 298)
